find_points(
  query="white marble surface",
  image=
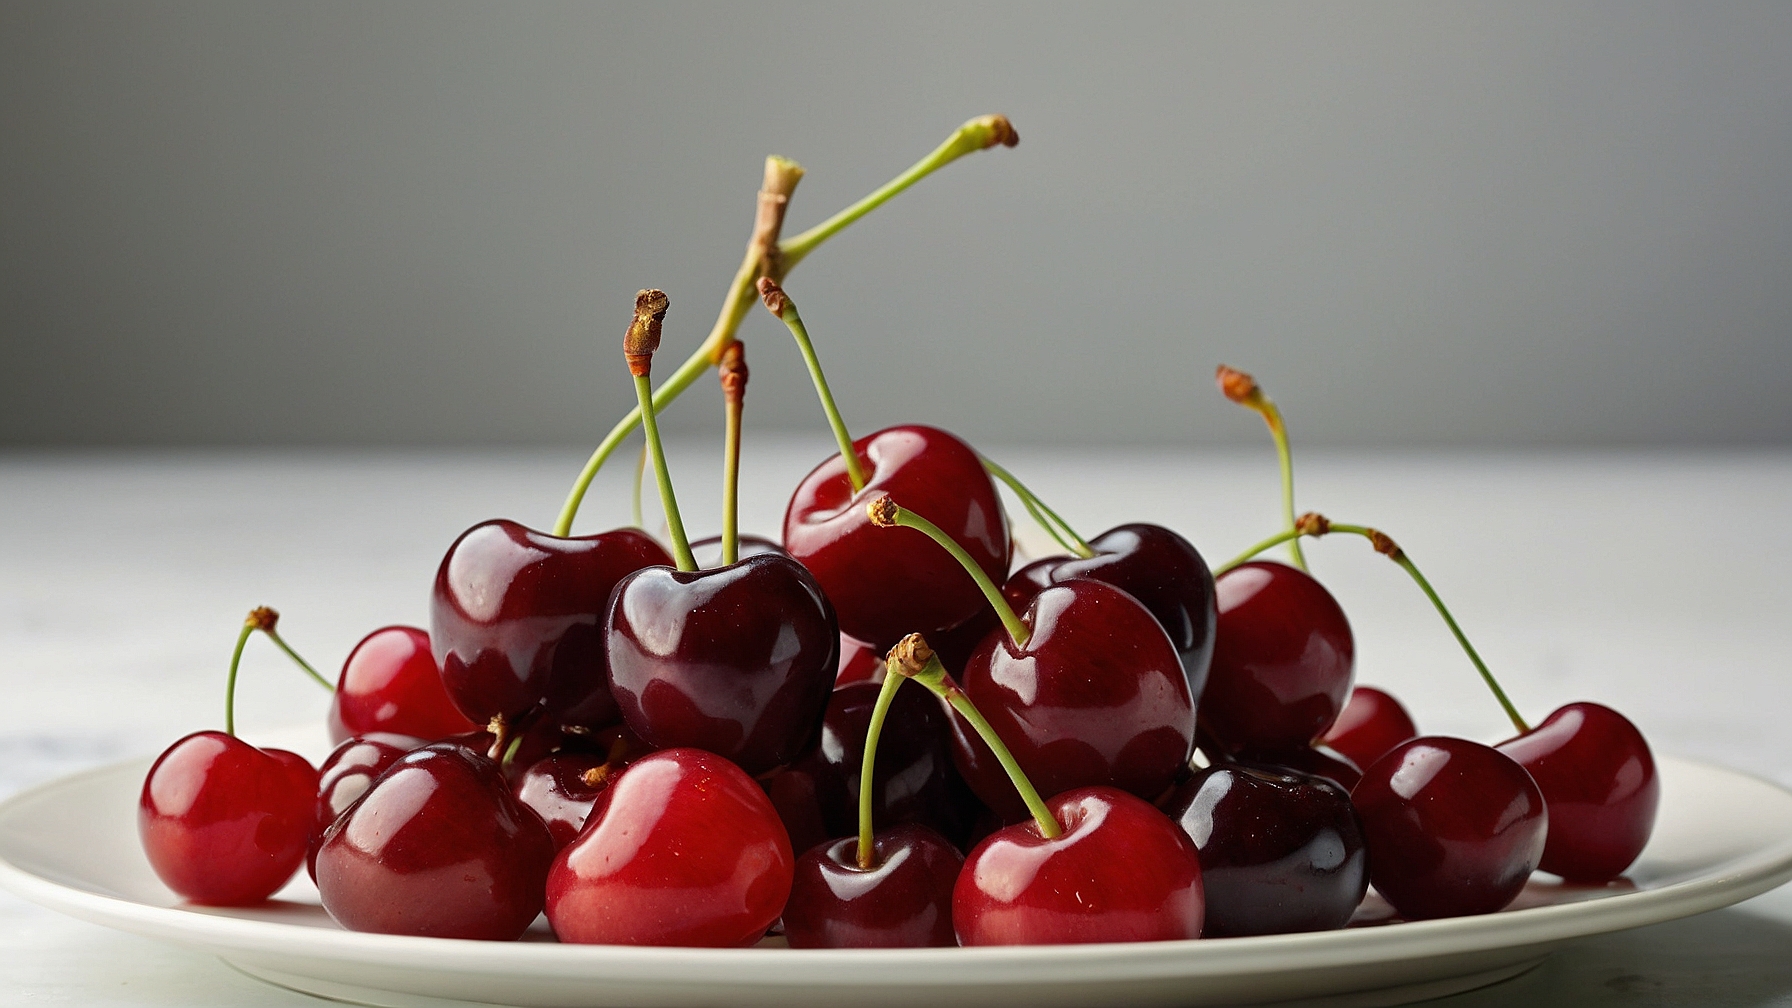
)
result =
(1652, 581)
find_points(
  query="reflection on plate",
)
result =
(72, 845)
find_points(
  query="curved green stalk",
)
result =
(894, 514)
(635, 501)
(294, 655)
(681, 546)
(236, 659)
(787, 313)
(879, 712)
(1035, 506)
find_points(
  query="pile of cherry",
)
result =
(676, 743)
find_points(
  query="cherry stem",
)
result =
(236, 659)
(886, 512)
(1242, 389)
(911, 658)
(1316, 525)
(640, 475)
(780, 304)
(767, 256)
(294, 655)
(733, 373)
(264, 619)
(638, 346)
(879, 712)
(1057, 527)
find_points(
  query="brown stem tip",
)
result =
(262, 618)
(882, 511)
(643, 338)
(773, 295)
(1384, 544)
(911, 654)
(1236, 385)
(733, 370)
(1001, 131)
(1312, 524)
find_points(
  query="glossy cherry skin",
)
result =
(1096, 696)
(886, 583)
(1371, 723)
(1121, 871)
(1454, 827)
(391, 683)
(1282, 660)
(1280, 851)
(915, 780)
(346, 774)
(1598, 778)
(859, 662)
(562, 787)
(1321, 761)
(438, 846)
(738, 660)
(516, 620)
(224, 823)
(708, 551)
(904, 900)
(1152, 564)
(683, 849)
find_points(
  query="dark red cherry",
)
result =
(437, 846)
(1318, 760)
(536, 740)
(561, 789)
(737, 660)
(1152, 564)
(516, 620)
(795, 794)
(346, 774)
(1282, 660)
(915, 780)
(1454, 827)
(886, 583)
(1371, 723)
(1121, 871)
(708, 552)
(683, 849)
(1598, 779)
(224, 823)
(391, 683)
(904, 900)
(1096, 696)
(1280, 851)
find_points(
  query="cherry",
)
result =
(346, 774)
(391, 683)
(903, 900)
(795, 794)
(562, 786)
(859, 662)
(225, 823)
(437, 846)
(682, 849)
(1321, 761)
(1598, 779)
(1453, 827)
(1282, 660)
(1371, 723)
(1155, 566)
(1281, 851)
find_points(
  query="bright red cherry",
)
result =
(1282, 660)
(346, 774)
(390, 683)
(739, 660)
(516, 620)
(1120, 871)
(437, 846)
(225, 823)
(1598, 778)
(1371, 723)
(885, 583)
(903, 900)
(683, 849)
(1454, 827)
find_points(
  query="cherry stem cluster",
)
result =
(1315, 525)
(885, 512)
(879, 712)
(767, 255)
(264, 619)
(1242, 389)
(1056, 527)
(779, 303)
(911, 658)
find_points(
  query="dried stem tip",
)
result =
(1238, 386)
(733, 370)
(773, 295)
(1383, 544)
(998, 130)
(643, 338)
(262, 618)
(882, 511)
(1312, 524)
(911, 654)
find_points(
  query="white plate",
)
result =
(71, 845)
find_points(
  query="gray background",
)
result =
(420, 223)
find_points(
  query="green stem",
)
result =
(1017, 631)
(1035, 506)
(731, 483)
(1279, 431)
(302, 663)
(879, 712)
(855, 471)
(1286, 535)
(681, 547)
(236, 658)
(640, 475)
(934, 677)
